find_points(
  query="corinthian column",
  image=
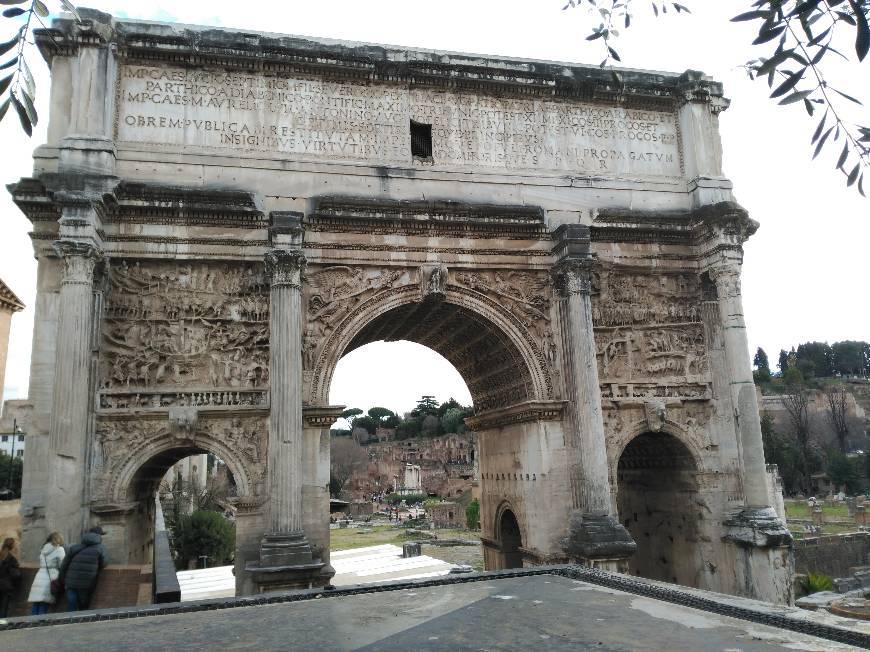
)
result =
(589, 476)
(70, 406)
(285, 372)
(742, 385)
(595, 536)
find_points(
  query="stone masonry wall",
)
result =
(832, 555)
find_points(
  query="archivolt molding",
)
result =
(125, 446)
(690, 425)
(342, 300)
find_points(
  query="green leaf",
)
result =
(848, 97)
(809, 107)
(22, 116)
(796, 97)
(40, 8)
(822, 141)
(13, 12)
(8, 45)
(818, 131)
(766, 35)
(4, 107)
(12, 2)
(9, 63)
(613, 53)
(750, 15)
(789, 83)
(594, 36)
(862, 37)
(853, 175)
(28, 78)
(843, 155)
(31, 110)
(861, 185)
(773, 62)
(804, 7)
(4, 83)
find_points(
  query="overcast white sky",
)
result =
(805, 270)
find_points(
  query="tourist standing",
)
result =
(46, 585)
(10, 574)
(81, 569)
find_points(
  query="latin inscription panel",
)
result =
(320, 120)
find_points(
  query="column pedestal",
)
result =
(286, 563)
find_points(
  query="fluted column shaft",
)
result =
(285, 359)
(69, 413)
(589, 477)
(727, 279)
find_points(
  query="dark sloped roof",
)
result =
(8, 300)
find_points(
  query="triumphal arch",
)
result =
(219, 216)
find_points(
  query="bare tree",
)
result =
(836, 396)
(796, 403)
(345, 458)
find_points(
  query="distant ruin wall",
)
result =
(832, 555)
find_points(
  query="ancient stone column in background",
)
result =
(595, 536)
(70, 399)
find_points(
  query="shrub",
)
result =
(815, 582)
(472, 515)
(410, 499)
(204, 533)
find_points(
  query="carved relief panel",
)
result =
(649, 336)
(241, 441)
(185, 334)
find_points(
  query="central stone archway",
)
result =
(200, 275)
(494, 327)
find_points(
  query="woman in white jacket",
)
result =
(50, 558)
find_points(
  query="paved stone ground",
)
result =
(544, 612)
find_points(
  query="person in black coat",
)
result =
(81, 569)
(10, 574)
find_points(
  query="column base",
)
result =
(762, 555)
(599, 541)
(286, 563)
(757, 527)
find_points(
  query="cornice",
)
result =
(155, 43)
(520, 413)
(8, 300)
(426, 218)
(702, 226)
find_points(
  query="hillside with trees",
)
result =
(814, 415)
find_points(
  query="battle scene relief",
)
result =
(649, 337)
(184, 334)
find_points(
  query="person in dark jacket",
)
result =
(10, 574)
(81, 568)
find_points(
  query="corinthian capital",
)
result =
(79, 258)
(727, 280)
(574, 275)
(285, 267)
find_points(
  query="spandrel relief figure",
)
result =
(527, 295)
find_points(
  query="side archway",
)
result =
(658, 501)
